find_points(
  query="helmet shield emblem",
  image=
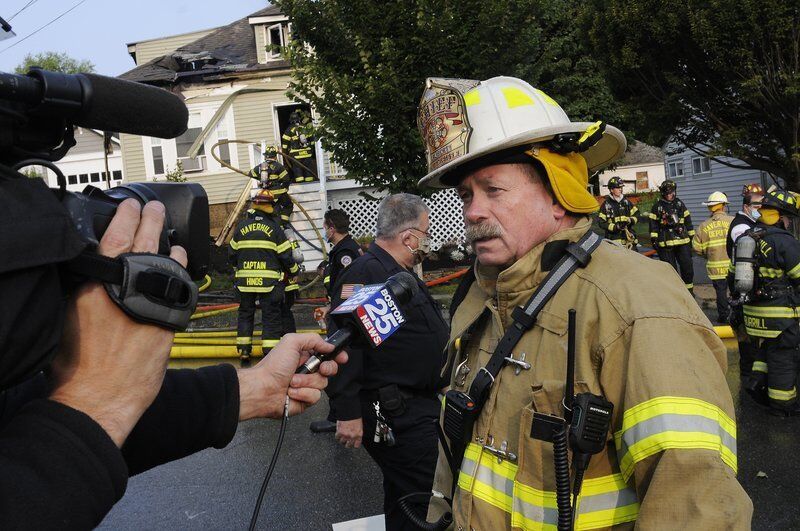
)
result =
(442, 120)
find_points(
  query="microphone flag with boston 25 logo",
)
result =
(371, 315)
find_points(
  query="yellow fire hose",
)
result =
(206, 283)
(724, 332)
(200, 315)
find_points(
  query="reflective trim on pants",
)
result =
(670, 422)
(604, 501)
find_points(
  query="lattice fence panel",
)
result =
(447, 224)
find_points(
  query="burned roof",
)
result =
(640, 153)
(229, 49)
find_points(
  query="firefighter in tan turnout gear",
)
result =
(710, 243)
(669, 460)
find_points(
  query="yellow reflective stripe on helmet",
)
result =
(472, 97)
(759, 366)
(775, 312)
(671, 422)
(254, 244)
(590, 131)
(546, 98)
(768, 272)
(794, 272)
(782, 395)
(258, 273)
(605, 501)
(515, 97)
(244, 340)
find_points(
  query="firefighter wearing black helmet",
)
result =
(272, 176)
(770, 312)
(263, 260)
(671, 232)
(299, 144)
(618, 215)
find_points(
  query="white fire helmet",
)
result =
(466, 124)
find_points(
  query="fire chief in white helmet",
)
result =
(646, 358)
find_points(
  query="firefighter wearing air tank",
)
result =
(272, 176)
(671, 231)
(770, 310)
(521, 169)
(299, 144)
(618, 215)
(262, 257)
(709, 242)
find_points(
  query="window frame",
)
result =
(701, 172)
(675, 164)
(169, 150)
(270, 54)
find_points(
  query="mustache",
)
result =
(482, 230)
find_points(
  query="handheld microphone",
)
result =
(98, 102)
(370, 315)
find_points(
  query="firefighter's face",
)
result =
(669, 196)
(616, 192)
(507, 212)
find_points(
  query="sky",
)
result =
(99, 30)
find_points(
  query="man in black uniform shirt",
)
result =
(345, 250)
(400, 378)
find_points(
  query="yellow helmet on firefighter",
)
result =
(467, 124)
(263, 201)
(270, 152)
(716, 198)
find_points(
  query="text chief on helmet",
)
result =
(521, 169)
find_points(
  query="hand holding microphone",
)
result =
(371, 315)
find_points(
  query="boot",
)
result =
(244, 354)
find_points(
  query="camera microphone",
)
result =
(371, 315)
(98, 102)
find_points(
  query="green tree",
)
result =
(721, 76)
(362, 65)
(55, 61)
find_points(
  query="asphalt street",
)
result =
(318, 483)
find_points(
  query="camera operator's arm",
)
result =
(198, 409)
(109, 366)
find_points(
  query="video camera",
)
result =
(38, 112)
(49, 236)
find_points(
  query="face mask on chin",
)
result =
(423, 249)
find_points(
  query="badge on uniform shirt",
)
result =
(346, 260)
(348, 290)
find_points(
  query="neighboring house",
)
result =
(85, 163)
(234, 84)
(234, 81)
(641, 169)
(698, 176)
